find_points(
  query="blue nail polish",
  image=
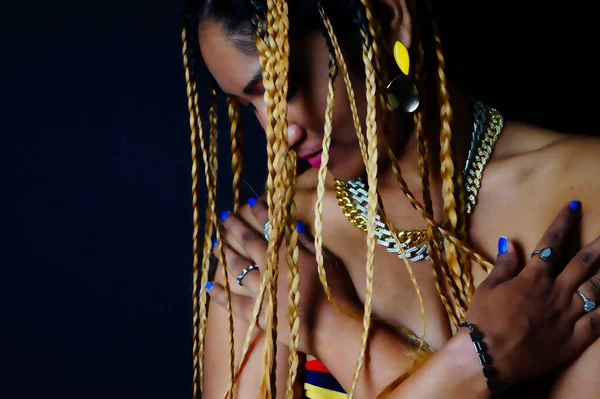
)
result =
(223, 215)
(300, 227)
(209, 286)
(215, 242)
(575, 206)
(502, 245)
(252, 201)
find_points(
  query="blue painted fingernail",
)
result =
(252, 201)
(575, 206)
(223, 215)
(300, 227)
(502, 245)
(215, 242)
(209, 286)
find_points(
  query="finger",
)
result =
(246, 213)
(554, 239)
(587, 297)
(241, 306)
(243, 274)
(259, 210)
(251, 243)
(581, 268)
(507, 265)
(586, 331)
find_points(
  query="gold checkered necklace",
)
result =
(352, 195)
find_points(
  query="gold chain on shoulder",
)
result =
(474, 171)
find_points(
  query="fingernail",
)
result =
(209, 286)
(300, 227)
(502, 245)
(223, 215)
(252, 201)
(575, 206)
(215, 242)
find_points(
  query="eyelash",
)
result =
(292, 90)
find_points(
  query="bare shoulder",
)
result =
(532, 174)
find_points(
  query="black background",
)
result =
(96, 273)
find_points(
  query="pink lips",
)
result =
(315, 160)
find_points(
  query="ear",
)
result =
(396, 22)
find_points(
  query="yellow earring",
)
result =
(402, 57)
(402, 93)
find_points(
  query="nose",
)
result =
(296, 134)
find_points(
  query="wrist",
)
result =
(466, 365)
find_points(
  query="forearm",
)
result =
(453, 372)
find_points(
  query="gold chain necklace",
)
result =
(352, 195)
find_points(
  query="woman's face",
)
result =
(239, 75)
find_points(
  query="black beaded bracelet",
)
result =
(484, 359)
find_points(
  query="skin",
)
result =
(533, 172)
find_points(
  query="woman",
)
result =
(340, 114)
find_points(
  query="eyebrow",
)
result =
(256, 79)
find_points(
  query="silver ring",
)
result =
(588, 305)
(544, 253)
(243, 273)
(266, 230)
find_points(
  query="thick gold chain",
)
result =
(342, 192)
(472, 183)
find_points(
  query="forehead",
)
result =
(231, 68)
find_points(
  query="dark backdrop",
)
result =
(96, 273)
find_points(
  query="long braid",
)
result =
(293, 253)
(259, 22)
(447, 173)
(424, 159)
(213, 160)
(210, 216)
(275, 82)
(371, 166)
(196, 133)
(322, 174)
(237, 154)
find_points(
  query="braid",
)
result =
(213, 161)
(423, 149)
(237, 155)
(318, 224)
(371, 166)
(274, 53)
(447, 172)
(197, 342)
(293, 253)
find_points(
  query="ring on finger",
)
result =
(244, 272)
(544, 253)
(588, 304)
(266, 230)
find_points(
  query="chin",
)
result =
(348, 170)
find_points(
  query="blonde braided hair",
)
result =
(237, 153)
(272, 43)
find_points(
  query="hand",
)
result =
(532, 318)
(244, 245)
